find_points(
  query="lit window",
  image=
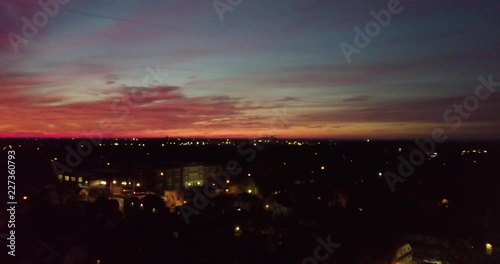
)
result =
(80, 179)
(489, 249)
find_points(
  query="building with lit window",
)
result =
(185, 176)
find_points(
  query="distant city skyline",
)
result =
(151, 69)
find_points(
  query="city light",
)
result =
(161, 173)
(114, 182)
(124, 183)
(489, 249)
(103, 182)
(249, 174)
(237, 230)
(322, 167)
(138, 184)
(25, 197)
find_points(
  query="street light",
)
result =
(489, 249)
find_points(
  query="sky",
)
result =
(241, 68)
